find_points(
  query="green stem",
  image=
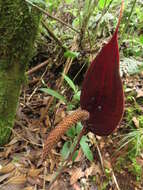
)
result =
(127, 23)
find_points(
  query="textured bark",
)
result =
(18, 28)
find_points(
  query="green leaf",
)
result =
(75, 155)
(86, 149)
(141, 39)
(76, 22)
(54, 94)
(71, 132)
(70, 107)
(78, 127)
(69, 1)
(71, 54)
(102, 3)
(70, 83)
(65, 150)
(77, 96)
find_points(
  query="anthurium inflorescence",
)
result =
(102, 91)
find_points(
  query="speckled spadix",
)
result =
(102, 90)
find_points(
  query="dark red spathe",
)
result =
(102, 91)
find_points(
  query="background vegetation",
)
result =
(71, 34)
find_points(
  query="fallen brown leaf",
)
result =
(139, 94)
(139, 161)
(12, 187)
(34, 181)
(136, 122)
(34, 172)
(6, 169)
(59, 115)
(28, 188)
(107, 164)
(76, 174)
(76, 186)
(8, 151)
(4, 177)
(17, 180)
(93, 170)
(58, 185)
(47, 122)
(49, 177)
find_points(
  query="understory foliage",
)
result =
(70, 35)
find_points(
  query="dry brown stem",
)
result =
(37, 67)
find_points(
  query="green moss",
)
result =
(18, 29)
(10, 83)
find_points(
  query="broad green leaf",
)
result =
(86, 149)
(54, 94)
(70, 83)
(71, 54)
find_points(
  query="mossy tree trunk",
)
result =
(18, 28)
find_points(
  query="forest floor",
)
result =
(21, 164)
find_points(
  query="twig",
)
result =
(44, 180)
(37, 67)
(102, 165)
(50, 16)
(79, 71)
(57, 40)
(34, 81)
(34, 91)
(115, 180)
(100, 156)
(127, 23)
